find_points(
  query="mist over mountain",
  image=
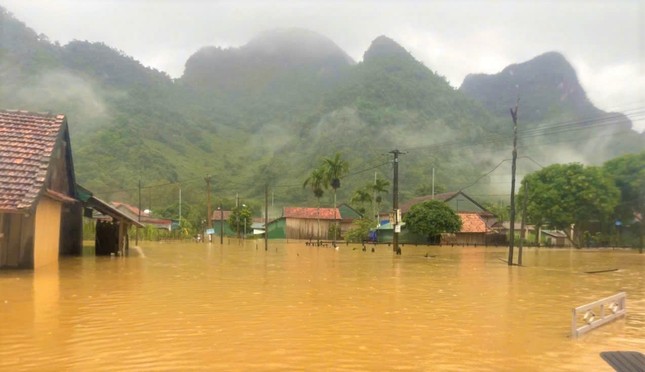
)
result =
(268, 111)
(553, 104)
(265, 61)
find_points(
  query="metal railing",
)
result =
(597, 313)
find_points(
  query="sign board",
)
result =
(397, 228)
(210, 231)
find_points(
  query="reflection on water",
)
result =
(239, 307)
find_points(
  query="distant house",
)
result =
(219, 221)
(40, 217)
(458, 201)
(473, 231)
(111, 237)
(145, 217)
(505, 227)
(476, 220)
(303, 223)
(257, 226)
(347, 217)
(556, 238)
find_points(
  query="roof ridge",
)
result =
(27, 112)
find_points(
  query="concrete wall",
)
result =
(47, 232)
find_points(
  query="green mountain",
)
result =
(553, 107)
(265, 113)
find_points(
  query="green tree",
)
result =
(379, 187)
(335, 168)
(240, 219)
(432, 218)
(562, 195)
(628, 173)
(316, 182)
(502, 211)
(359, 231)
(361, 197)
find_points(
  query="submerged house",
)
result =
(458, 201)
(143, 216)
(112, 225)
(40, 217)
(219, 222)
(304, 223)
(476, 220)
(473, 231)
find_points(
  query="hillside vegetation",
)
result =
(266, 113)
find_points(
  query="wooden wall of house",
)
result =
(17, 244)
(47, 232)
(71, 230)
(470, 238)
(60, 176)
(300, 228)
(107, 238)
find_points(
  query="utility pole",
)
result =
(523, 223)
(237, 211)
(266, 217)
(139, 216)
(433, 183)
(208, 202)
(395, 202)
(511, 238)
(374, 211)
(180, 206)
(221, 224)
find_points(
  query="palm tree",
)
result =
(316, 182)
(362, 197)
(379, 187)
(334, 169)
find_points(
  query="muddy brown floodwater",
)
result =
(190, 306)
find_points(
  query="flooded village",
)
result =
(290, 297)
(287, 205)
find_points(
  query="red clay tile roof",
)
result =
(472, 223)
(27, 141)
(311, 213)
(131, 209)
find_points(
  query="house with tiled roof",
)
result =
(476, 221)
(473, 230)
(145, 217)
(219, 223)
(304, 223)
(40, 217)
(458, 201)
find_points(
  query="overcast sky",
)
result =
(604, 40)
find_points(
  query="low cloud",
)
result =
(58, 91)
